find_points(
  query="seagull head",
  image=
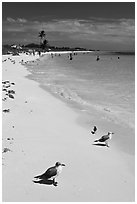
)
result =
(59, 164)
(110, 133)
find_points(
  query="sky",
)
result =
(92, 25)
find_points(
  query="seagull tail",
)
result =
(42, 176)
(39, 176)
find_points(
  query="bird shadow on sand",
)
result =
(100, 144)
(45, 182)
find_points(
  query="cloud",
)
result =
(95, 29)
(11, 20)
(22, 20)
(18, 20)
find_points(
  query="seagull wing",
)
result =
(52, 171)
(48, 174)
(103, 138)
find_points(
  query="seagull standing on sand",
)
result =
(104, 138)
(51, 173)
(93, 131)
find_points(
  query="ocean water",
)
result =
(107, 85)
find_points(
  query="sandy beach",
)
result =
(39, 130)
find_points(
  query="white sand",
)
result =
(45, 131)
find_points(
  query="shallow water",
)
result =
(106, 85)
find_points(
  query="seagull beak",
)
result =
(62, 164)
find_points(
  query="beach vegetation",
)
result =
(43, 41)
(44, 45)
(42, 36)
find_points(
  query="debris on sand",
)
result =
(6, 150)
(4, 90)
(12, 83)
(8, 138)
(11, 91)
(6, 110)
(11, 96)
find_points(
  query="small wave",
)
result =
(70, 95)
(66, 93)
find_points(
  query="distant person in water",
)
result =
(97, 58)
(30, 52)
(70, 56)
(34, 52)
(39, 52)
(52, 55)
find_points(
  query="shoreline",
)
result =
(86, 118)
(45, 131)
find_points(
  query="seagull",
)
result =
(104, 138)
(97, 58)
(51, 173)
(93, 131)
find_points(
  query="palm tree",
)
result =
(44, 45)
(41, 35)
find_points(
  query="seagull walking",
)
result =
(51, 173)
(93, 131)
(105, 138)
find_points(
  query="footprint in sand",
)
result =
(4, 99)
(106, 109)
(10, 140)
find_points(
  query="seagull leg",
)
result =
(107, 144)
(54, 182)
